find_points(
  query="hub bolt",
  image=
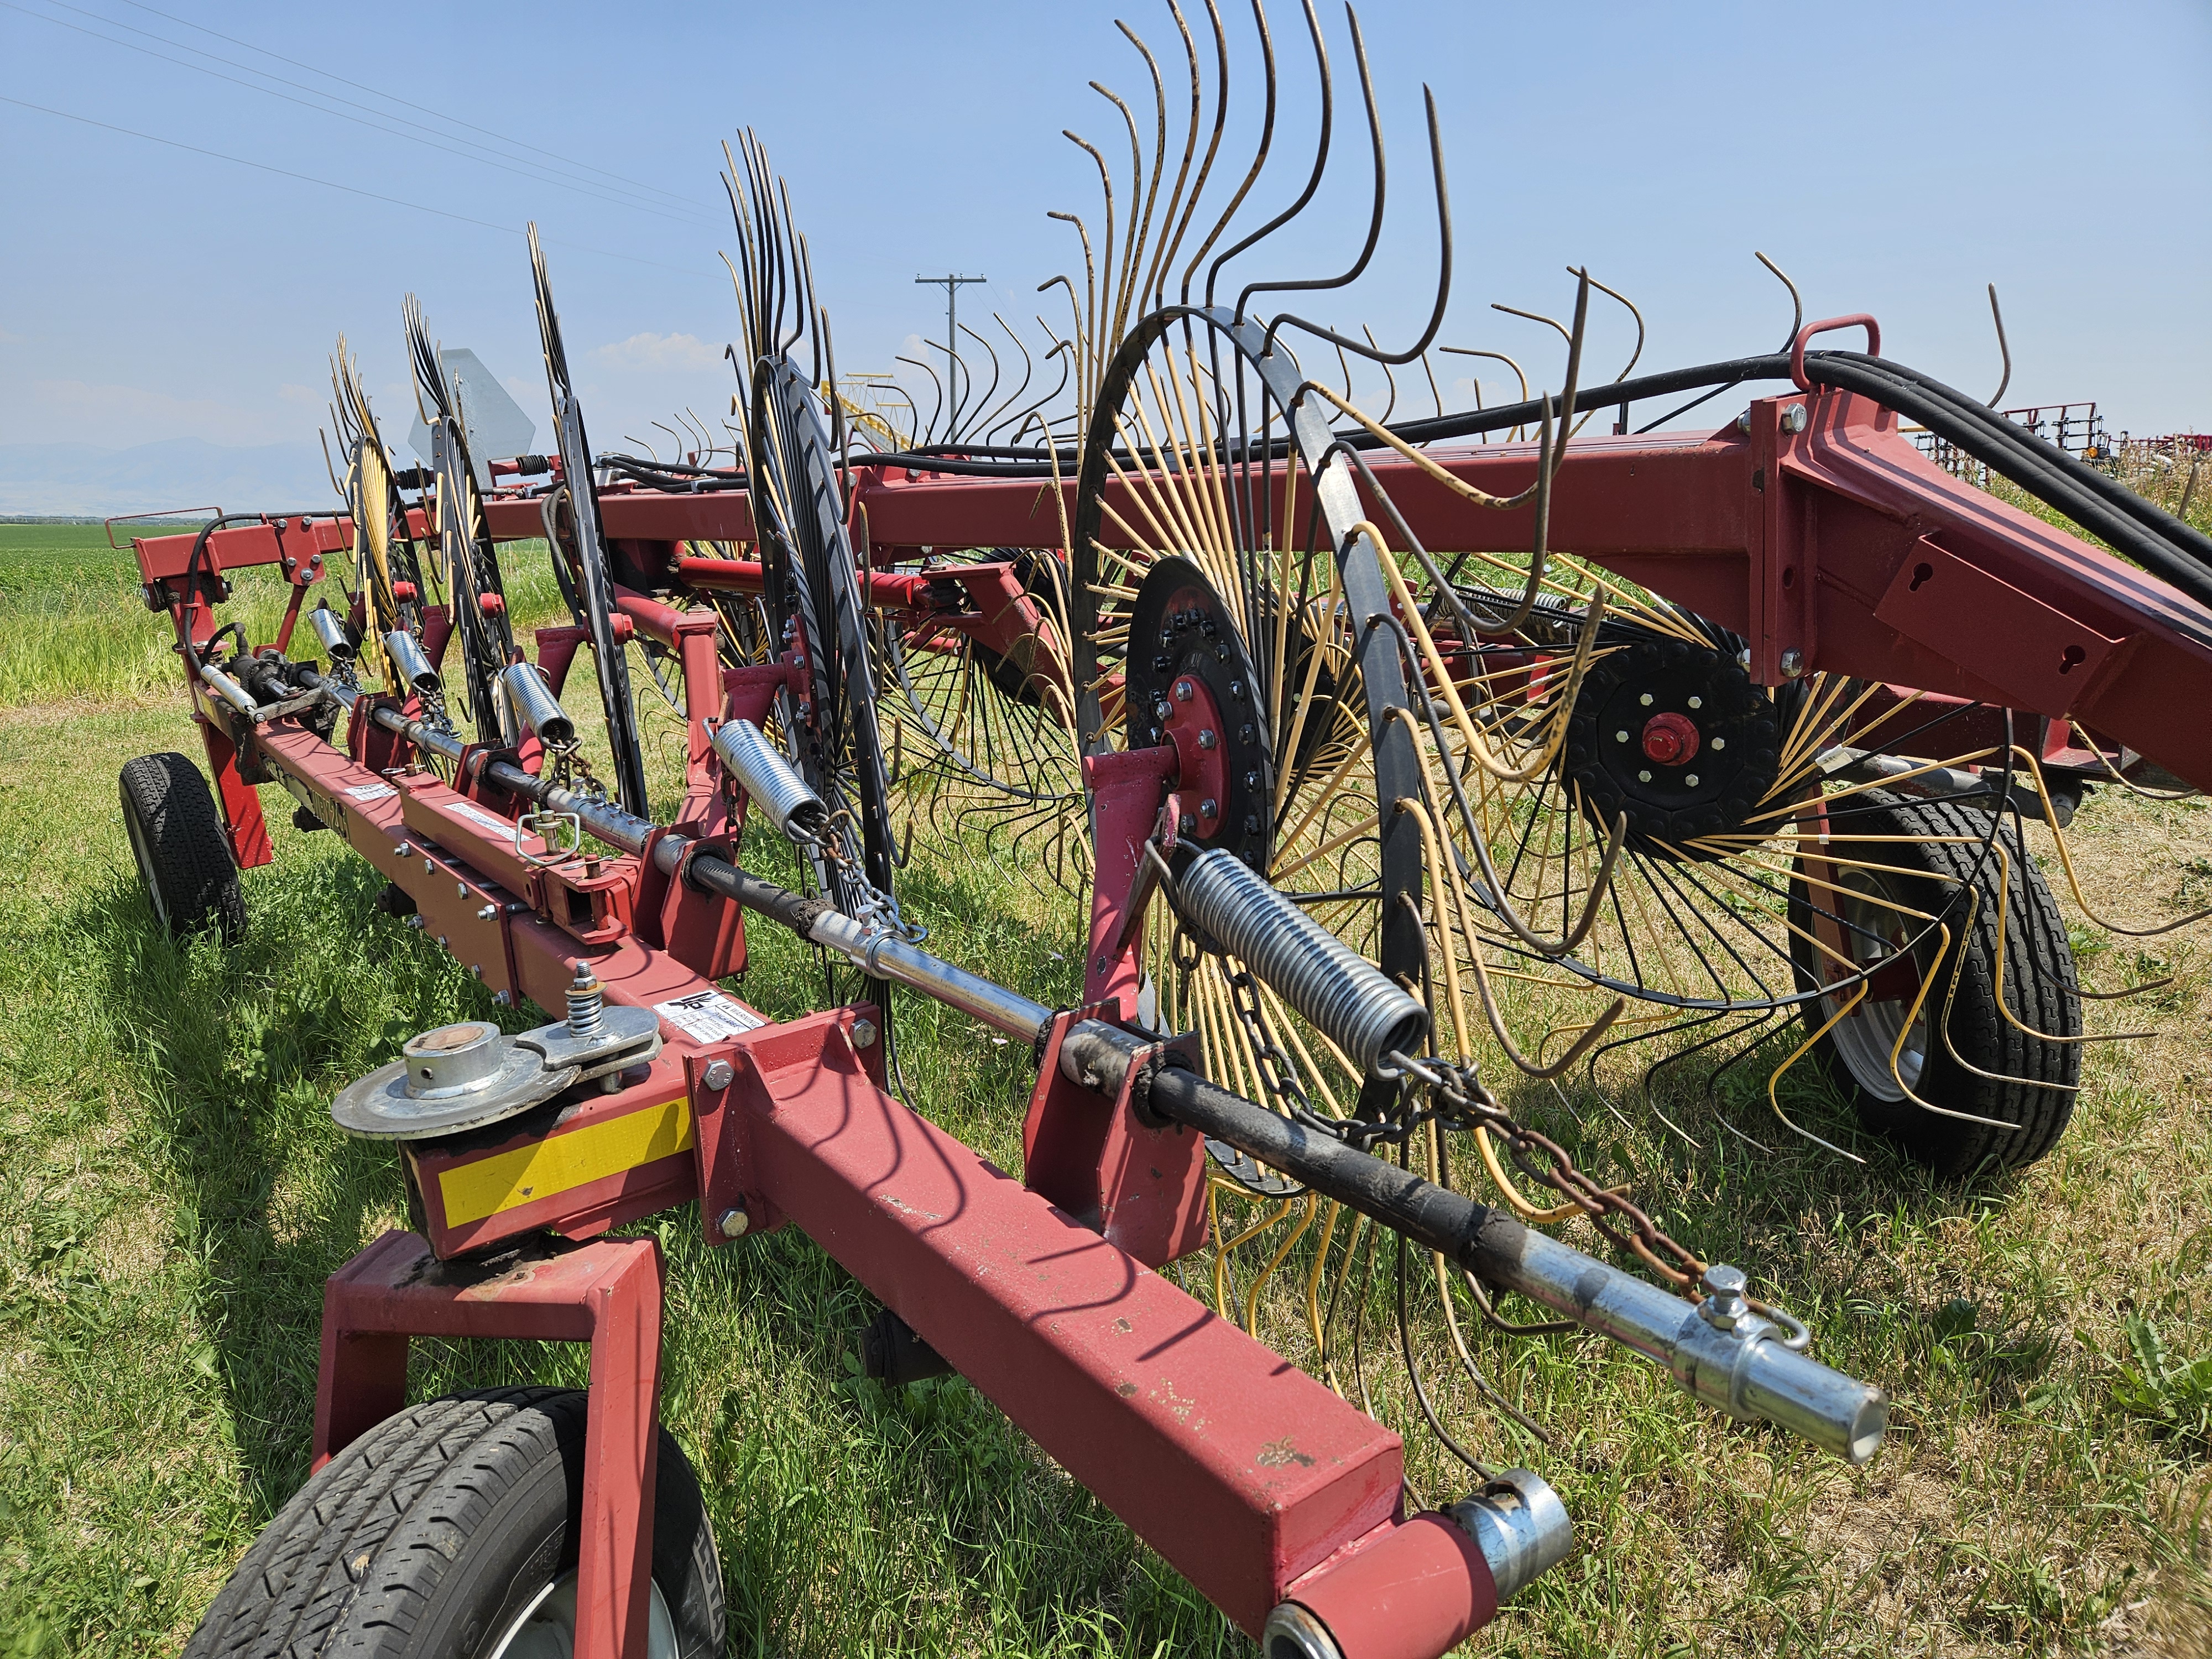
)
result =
(1621, 736)
(1691, 780)
(1643, 777)
(1645, 700)
(1163, 710)
(1720, 743)
(1670, 739)
(1183, 691)
(1697, 702)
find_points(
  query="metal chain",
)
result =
(1460, 1100)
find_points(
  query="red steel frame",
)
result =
(1838, 543)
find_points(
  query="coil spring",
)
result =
(1343, 995)
(586, 997)
(771, 780)
(534, 707)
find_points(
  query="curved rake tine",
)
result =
(1796, 301)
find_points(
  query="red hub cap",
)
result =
(1670, 739)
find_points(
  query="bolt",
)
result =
(416, 922)
(733, 1222)
(1724, 1287)
(1236, 688)
(1792, 664)
(402, 851)
(1794, 418)
(1743, 422)
(719, 1074)
(503, 999)
(1252, 824)
(1245, 733)
(864, 1034)
(488, 913)
(1697, 702)
(1163, 710)
(1103, 963)
(475, 972)
(1188, 825)
(441, 941)
(1720, 743)
(1206, 740)
(1184, 691)
(586, 999)
(462, 888)
(1251, 780)
(1645, 700)
(1692, 781)
(1620, 737)
(1209, 808)
(1643, 777)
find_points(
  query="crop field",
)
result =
(172, 1194)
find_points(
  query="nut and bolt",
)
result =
(586, 997)
(1643, 777)
(1620, 736)
(1691, 780)
(1792, 664)
(1697, 702)
(1187, 825)
(442, 941)
(719, 1074)
(864, 1034)
(503, 999)
(1720, 743)
(1163, 710)
(461, 889)
(1206, 740)
(1184, 691)
(1725, 1305)
(1794, 418)
(488, 913)
(733, 1222)
(402, 851)
(1209, 808)
(416, 922)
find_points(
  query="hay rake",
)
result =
(1389, 759)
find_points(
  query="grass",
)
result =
(172, 1194)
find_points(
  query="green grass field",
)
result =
(172, 1194)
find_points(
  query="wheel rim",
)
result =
(1875, 941)
(546, 1629)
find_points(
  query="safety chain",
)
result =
(1281, 1080)
(1460, 1100)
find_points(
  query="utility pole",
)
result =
(952, 284)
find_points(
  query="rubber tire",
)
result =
(427, 1537)
(179, 846)
(2039, 989)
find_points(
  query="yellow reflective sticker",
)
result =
(508, 1181)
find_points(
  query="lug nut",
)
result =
(1720, 743)
(1645, 700)
(1206, 740)
(1643, 777)
(1691, 780)
(1163, 710)
(864, 1034)
(719, 1074)
(1209, 808)
(1183, 691)
(1621, 736)
(1697, 702)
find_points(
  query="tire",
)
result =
(178, 841)
(447, 1532)
(1939, 843)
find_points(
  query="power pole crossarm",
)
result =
(952, 284)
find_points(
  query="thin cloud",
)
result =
(659, 351)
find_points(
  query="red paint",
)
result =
(1126, 790)
(1670, 739)
(606, 1294)
(1407, 1591)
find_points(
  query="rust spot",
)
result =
(1123, 1325)
(1124, 1389)
(1281, 1453)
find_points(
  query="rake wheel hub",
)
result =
(1187, 658)
(1676, 736)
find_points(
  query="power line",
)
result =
(350, 189)
(423, 109)
(581, 186)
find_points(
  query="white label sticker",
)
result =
(708, 1016)
(499, 826)
(372, 791)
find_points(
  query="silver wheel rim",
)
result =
(1867, 1036)
(546, 1629)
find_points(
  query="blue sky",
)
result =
(1895, 158)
